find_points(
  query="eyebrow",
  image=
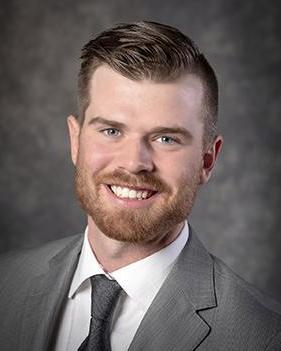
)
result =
(101, 120)
(156, 130)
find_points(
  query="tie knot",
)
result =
(105, 293)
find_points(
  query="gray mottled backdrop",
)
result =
(238, 214)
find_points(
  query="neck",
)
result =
(113, 254)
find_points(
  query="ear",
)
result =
(209, 159)
(74, 131)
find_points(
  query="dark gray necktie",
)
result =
(105, 294)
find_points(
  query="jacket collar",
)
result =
(172, 321)
(47, 294)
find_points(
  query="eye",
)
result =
(164, 139)
(111, 132)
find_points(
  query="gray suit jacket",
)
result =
(202, 304)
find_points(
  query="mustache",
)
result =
(142, 180)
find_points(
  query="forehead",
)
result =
(115, 96)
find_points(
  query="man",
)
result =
(139, 279)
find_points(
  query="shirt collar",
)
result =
(86, 268)
(150, 271)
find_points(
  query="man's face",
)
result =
(138, 155)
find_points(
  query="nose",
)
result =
(136, 157)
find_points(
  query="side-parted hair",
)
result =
(154, 51)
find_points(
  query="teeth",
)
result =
(124, 192)
(144, 194)
(129, 193)
(132, 194)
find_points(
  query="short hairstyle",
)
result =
(149, 50)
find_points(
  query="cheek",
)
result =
(178, 169)
(95, 157)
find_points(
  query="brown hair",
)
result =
(149, 50)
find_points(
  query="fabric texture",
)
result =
(202, 305)
(137, 295)
(105, 293)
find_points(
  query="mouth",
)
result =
(129, 193)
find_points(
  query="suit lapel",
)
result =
(47, 293)
(172, 322)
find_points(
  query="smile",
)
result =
(131, 193)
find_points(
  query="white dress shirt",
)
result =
(140, 282)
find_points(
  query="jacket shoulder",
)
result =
(243, 312)
(32, 261)
(228, 280)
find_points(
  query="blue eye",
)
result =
(111, 132)
(164, 139)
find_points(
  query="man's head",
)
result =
(152, 51)
(140, 146)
